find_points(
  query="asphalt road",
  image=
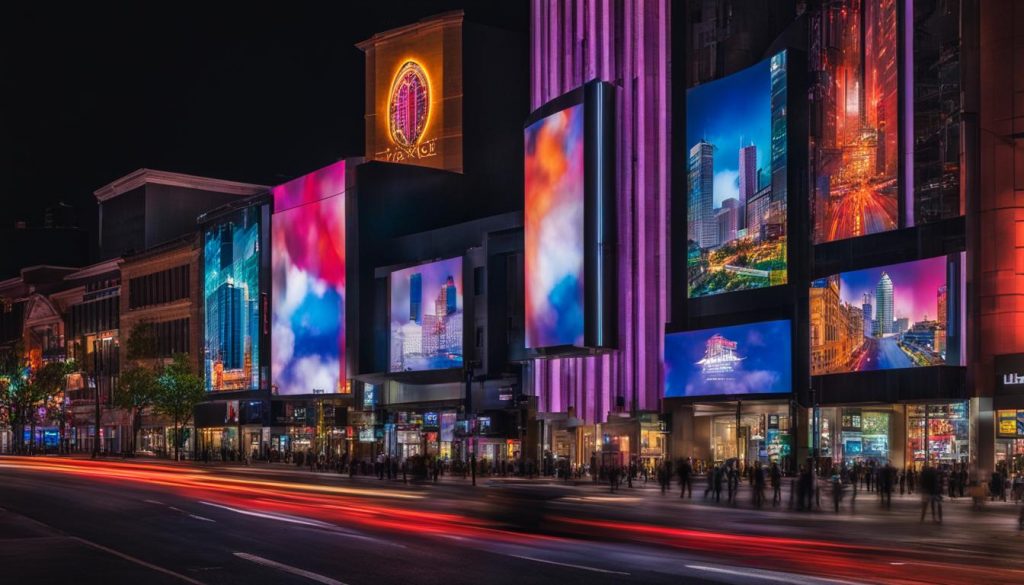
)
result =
(75, 521)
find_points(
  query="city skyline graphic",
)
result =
(231, 252)
(753, 358)
(427, 317)
(888, 317)
(856, 151)
(737, 180)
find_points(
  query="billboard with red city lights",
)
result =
(855, 139)
(897, 316)
(426, 317)
(737, 180)
(753, 358)
(307, 353)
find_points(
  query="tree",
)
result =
(179, 391)
(44, 385)
(23, 390)
(137, 390)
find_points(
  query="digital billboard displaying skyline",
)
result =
(737, 180)
(889, 317)
(231, 294)
(855, 151)
(554, 211)
(307, 351)
(754, 358)
(426, 317)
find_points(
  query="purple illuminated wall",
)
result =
(572, 42)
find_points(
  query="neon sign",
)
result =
(409, 114)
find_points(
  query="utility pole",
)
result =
(97, 369)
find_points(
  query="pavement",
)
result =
(66, 520)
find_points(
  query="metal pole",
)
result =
(97, 368)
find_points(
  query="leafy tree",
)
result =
(179, 391)
(137, 390)
(22, 390)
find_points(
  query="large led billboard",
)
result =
(554, 212)
(307, 352)
(737, 180)
(855, 101)
(231, 293)
(426, 317)
(737, 360)
(897, 316)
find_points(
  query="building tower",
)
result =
(451, 296)
(748, 179)
(701, 225)
(416, 298)
(940, 306)
(869, 315)
(884, 297)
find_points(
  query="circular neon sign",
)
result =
(409, 105)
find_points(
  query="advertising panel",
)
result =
(898, 316)
(754, 358)
(855, 149)
(231, 294)
(554, 215)
(426, 317)
(737, 180)
(308, 282)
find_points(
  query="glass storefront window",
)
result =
(945, 426)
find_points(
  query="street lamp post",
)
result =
(97, 369)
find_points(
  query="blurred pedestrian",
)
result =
(931, 493)
(685, 471)
(776, 480)
(758, 484)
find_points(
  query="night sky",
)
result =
(260, 95)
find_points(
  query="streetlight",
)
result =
(97, 369)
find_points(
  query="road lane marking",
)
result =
(278, 517)
(767, 576)
(137, 561)
(570, 565)
(288, 569)
(203, 518)
(153, 502)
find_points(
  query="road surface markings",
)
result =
(153, 502)
(203, 518)
(768, 576)
(137, 561)
(288, 569)
(570, 565)
(267, 516)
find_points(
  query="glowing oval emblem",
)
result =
(409, 106)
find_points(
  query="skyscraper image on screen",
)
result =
(737, 181)
(554, 209)
(855, 148)
(890, 317)
(231, 252)
(426, 317)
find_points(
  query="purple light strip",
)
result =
(574, 41)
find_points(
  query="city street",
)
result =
(77, 520)
(882, 354)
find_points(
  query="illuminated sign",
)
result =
(903, 315)
(308, 283)
(1009, 373)
(737, 181)
(408, 115)
(735, 360)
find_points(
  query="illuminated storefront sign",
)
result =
(409, 110)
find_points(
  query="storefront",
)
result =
(943, 427)
(1010, 441)
(857, 434)
(748, 432)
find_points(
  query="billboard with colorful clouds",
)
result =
(307, 353)
(737, 180)
(231, 295)
(727, 361)
(426, 317)
(897, 316)
(554, 216)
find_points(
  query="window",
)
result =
(159, 287)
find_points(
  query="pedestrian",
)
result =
(685, 470)
(837, 491)
(758, 484)
(776, 480)
(931, 493)
(719, 477)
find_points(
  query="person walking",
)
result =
(931, 493)
(685, 471)
(758, 484)
(776, 480)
